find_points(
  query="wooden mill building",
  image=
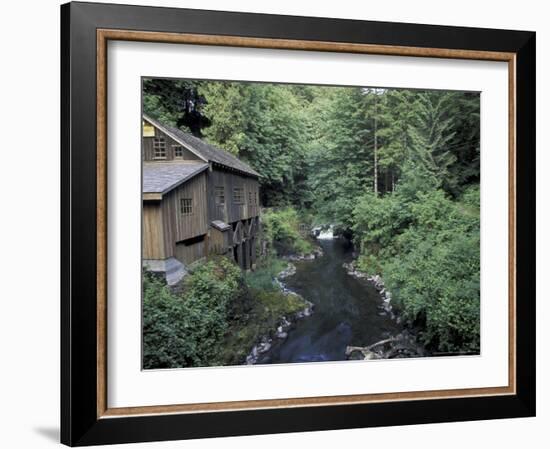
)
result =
(197, 200)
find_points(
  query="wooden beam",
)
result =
(152, 196)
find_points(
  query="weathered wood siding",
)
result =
(189, 253)
(219, 241)
(170, 232)
(153, 234)
(177, 226)
(148, 154)
(231, 211)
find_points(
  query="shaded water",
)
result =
(347, 311)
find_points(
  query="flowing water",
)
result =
(347, 310)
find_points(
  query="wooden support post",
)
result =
(246, 251)
(253, 250)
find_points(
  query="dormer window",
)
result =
(159, 148)
(178, 151)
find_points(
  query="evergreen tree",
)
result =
(226, 107)
(433, 128)
(342, 162)
(175, 102)
(397, 115)
(398, 169)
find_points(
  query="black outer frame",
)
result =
(79, 423)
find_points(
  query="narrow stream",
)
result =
(347, 310)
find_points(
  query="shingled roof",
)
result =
(204, 150)
(161, 177)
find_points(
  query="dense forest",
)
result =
(394, 170)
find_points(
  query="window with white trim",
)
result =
(159, 148)
(178, 151)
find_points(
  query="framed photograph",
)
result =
(282, 224)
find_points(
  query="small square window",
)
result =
(238, 195)
(219, 193)
(159, 148)
(178, 151)
(250, 197)
(186, 206)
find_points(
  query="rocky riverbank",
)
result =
(285, 323)
(401, 345)
(378, 283)
(316, 253)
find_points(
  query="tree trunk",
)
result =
(375, 144)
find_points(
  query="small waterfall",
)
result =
(324, 233)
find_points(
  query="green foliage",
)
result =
(266, 126)
(180, 331)
(255, 318)
(259, 312)
(175, 102)
(218, 317)
(281, 229)
(263, 278)
(315, 146)
(321, 148)
(224, 104)
(341, 163)
(397, 114)
(430, 262)
(377, 220)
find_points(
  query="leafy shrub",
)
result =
(263, 278)
(377, 221)
(185, 330)
(282, 229)
(218, 317)
(260, 316)
(428, 253)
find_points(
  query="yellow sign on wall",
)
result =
(148, 130)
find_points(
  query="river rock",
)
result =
(264, 347)
(281, 333)
(252, 358)
(352, 271)
(305, 312)
(284, 324)
(290, 270)
(316, 253)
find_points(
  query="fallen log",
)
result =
(367, 350)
